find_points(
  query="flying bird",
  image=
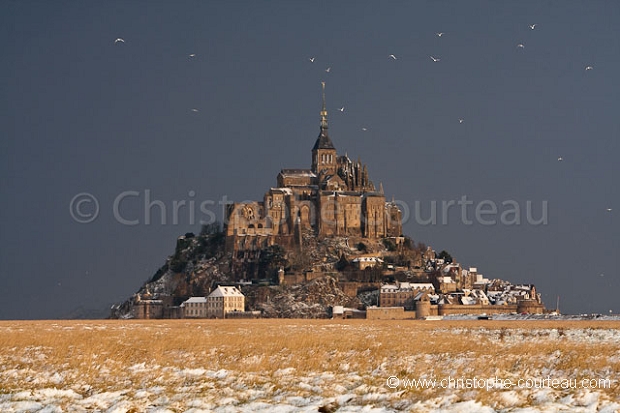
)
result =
(341, 109)
(533, 26)
(521, 46)
(609, 209)
(328, 69)
(192, 55)
(560, 159)
(364, 129)
(439, 34)
(589, 67)
(435, 59)
(119, 40)
(461, 120)
(392, 56)
(194, 110)
(311, 59)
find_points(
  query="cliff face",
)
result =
(309, 300)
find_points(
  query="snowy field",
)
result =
(521, 366)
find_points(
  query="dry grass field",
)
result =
(309, 365)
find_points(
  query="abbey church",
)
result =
(335, 197)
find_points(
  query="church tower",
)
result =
(324, 153)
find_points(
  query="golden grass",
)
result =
(112, 355)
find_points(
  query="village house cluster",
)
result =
(222, 302)
(421, 300)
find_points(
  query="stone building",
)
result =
(224, 300)
(335, 197)
(194, 307)
(403, 294)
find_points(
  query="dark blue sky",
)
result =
(80, 113)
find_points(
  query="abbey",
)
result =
(335, 197)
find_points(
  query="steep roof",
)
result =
(323, 141)
(226, 291)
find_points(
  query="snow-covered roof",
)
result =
(450, 267)
(286, 191)
(367, 259)
(226, 291)
(389, 288)
(195, 300)
(298, 172)
(416, 286)
(468, 300)
(406, 286)
(422, 286)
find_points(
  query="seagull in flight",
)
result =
(589, 68)
(328, 69)
(609, 209)
(521, 46)
(341, 109)
(533, 26)
(560, 159)
(435, 59)
(392, 56)
(194, 110)
(461, 120)
(439, 34)
(364, 129)
(119, 40)
(192, 55)
(311, 59)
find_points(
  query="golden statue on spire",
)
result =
(324, 110)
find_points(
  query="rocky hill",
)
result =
(200, 263)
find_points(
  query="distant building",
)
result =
(224, 300)
(402, 294)
(364, 262)
(195, 307)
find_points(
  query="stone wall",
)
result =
(389, 313)
(447, 309)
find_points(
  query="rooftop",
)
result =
(226, 291)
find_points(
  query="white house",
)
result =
(223, 300)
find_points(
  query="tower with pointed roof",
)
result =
(324, 156)
(335, 197)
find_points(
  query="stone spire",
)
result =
(324, 156)
(323, 112)
(323, 141)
